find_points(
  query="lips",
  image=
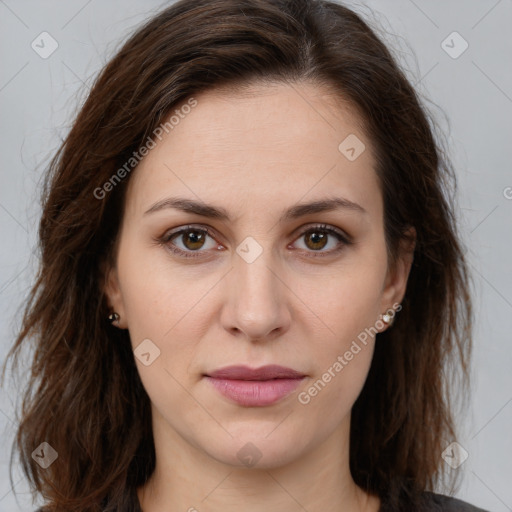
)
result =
(255, 387)
(264, 373)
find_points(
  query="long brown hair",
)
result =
(84, 396)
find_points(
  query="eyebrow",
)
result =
(216, 212)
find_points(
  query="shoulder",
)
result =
(427, 502)
(433, 502)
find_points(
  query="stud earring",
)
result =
(389, 317)
(114, 317)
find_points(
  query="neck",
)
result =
(188, 479)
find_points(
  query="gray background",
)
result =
(38, 98)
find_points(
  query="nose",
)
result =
(257, 303)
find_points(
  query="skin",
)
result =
(254, 153)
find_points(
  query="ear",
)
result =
(113, 293)
(398, 273)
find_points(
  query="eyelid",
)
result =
(188, 227)
(342, 236)
(323, 227)
(344, 239)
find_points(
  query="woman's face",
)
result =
(273, 282)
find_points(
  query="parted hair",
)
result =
(83, 394)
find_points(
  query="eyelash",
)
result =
(168, 236)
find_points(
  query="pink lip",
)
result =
(255, 387)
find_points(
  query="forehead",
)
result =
(264, 143)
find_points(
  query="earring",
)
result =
(388, 318)
(114, 317)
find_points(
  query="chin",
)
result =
(257, 450)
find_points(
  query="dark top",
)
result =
(431, 502)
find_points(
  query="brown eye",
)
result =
(189, 242)
(193, 239)
(192, 242)
(316, 240)
(323, 240)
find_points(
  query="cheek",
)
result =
(167, 306)
(344, 303)
(327, 399)
(342, 359)
(156, 293)
(346, 308)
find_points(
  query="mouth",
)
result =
(256, 387)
